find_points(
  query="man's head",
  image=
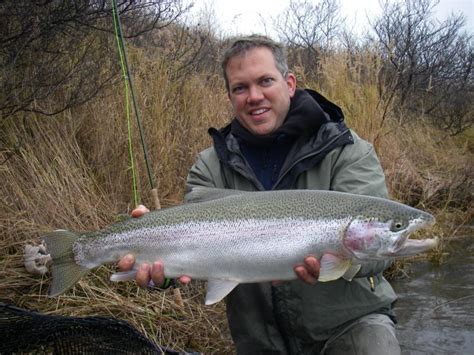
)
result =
(258, 83)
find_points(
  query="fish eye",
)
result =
(397, 225)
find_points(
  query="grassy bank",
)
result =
(72, 171)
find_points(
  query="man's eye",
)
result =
(267, 81)
(238, 89)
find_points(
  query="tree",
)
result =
(428, 63)
(56, 54)
(309, 29)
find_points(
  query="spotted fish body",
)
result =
(230, 237)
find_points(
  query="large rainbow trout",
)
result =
(229, 237)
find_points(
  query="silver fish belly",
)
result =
(230, 237)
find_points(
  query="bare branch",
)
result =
(429, 62)
(66, 49)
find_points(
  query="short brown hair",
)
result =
(242, 45)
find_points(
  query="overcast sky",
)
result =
(248, 16)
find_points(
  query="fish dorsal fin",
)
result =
(332, 267)
(218, 289)
(203, 194)
(351, 272)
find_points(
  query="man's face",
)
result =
(259, 94)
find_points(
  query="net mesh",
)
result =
(24, 331)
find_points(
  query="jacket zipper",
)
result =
(309, 155)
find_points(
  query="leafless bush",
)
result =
(309, 30)
(190, 49)
(429, 63)
(57, 54)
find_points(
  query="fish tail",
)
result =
(65, 271)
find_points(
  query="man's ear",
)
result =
(291, 82)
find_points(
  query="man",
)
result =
(286, 138)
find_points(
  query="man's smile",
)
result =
(259, 111)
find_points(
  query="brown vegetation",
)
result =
(72, 171)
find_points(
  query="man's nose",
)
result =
(255, 94)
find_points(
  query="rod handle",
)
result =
(156, 199)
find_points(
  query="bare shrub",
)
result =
(309, 30)
(57, 54)
(429, 64)
(72, 172)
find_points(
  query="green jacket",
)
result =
(292, 317)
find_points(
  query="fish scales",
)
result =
(277, 215)
(226, 243)
(230, 237)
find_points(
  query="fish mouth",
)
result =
(415, 246)
(404, 246)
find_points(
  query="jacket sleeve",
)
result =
(205, 171)
(357, 170)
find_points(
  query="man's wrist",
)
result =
(167, 283)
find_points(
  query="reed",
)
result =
(72, 171)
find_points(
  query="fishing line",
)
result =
(129, 90)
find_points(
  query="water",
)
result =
(435, 310)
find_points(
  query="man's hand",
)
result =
(145, 272)
(309, 271)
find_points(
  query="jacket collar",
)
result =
(310, 146)
(308, 111)
(304, 118)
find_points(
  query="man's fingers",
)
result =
(126, 263)
(139, 211)
(304, 275)
(309, 271)
(312, 266)
(144, 272)
(157, 273)
(184, 279)
(143, 275)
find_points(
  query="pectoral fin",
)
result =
(218, 289)
(123, 275)
(332, 267)
(351, 272)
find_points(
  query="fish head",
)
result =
(381, 236)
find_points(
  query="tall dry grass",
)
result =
(424, 166)
(72, 171)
